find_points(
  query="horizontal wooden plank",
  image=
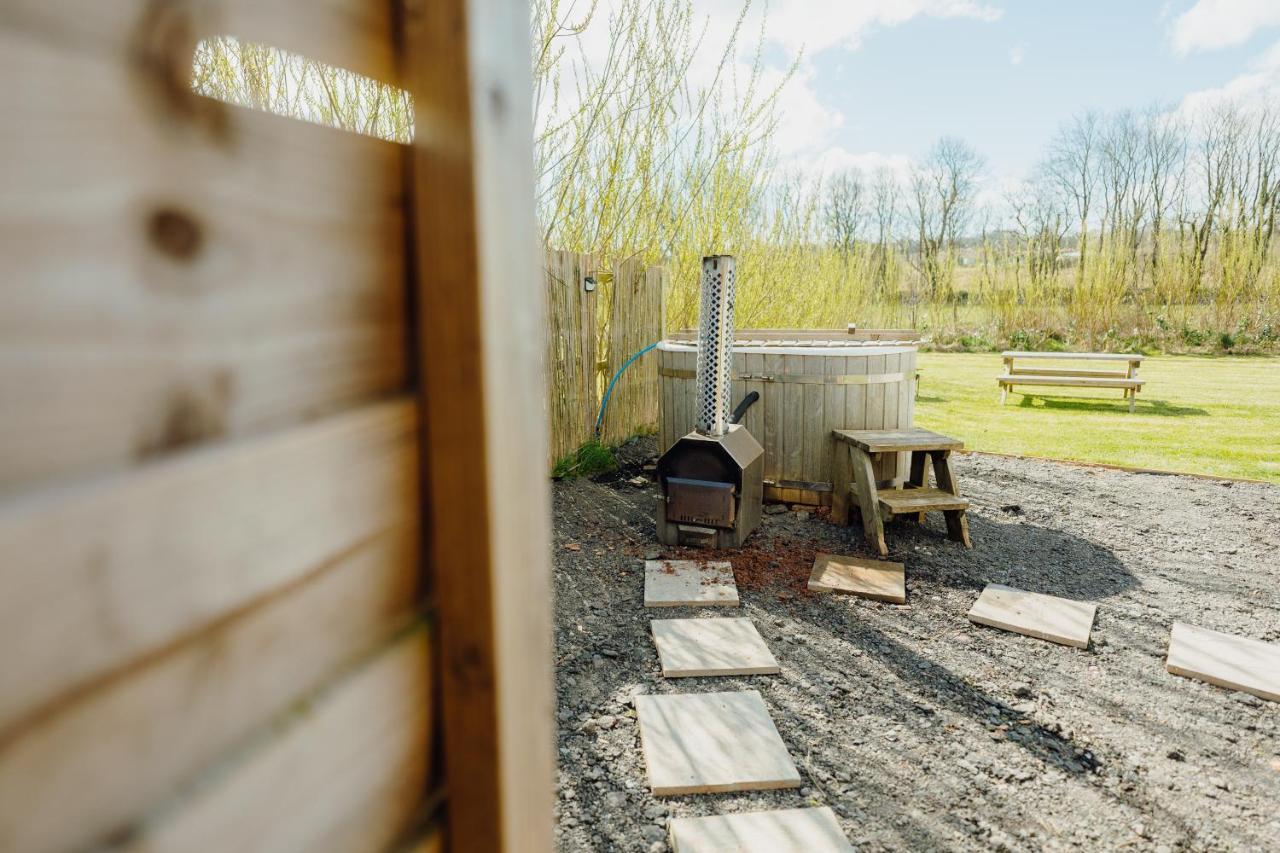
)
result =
(1077, 381)
(125, 745)
(901, 501)
(176, 273)
(344, 773)
(352, 34)
(1074, 356)
(896, 441)
(162, 552)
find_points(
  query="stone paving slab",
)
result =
(689, 583)
(705, 647)
(699, 743)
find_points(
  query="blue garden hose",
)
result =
(605, 402)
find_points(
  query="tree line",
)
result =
(1148, 218)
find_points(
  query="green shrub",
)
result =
(591, 458)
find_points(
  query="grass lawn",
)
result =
(1200, 415)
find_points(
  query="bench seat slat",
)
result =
(1076, 381)
(1075, 356)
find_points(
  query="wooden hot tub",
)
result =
(810, 383)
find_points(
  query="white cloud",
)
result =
(808, 129)
(817, 25)
(1213, 24)
(805, 123)
(1017, 53)
(1257, 86)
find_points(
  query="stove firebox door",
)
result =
(705, 502)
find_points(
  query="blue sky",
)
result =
(882, 79)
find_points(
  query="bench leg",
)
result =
(864, 481)
(1004, 393)
(958, 527)
(919, 477)
(842, 478)
(957, 522)
(1133, 399)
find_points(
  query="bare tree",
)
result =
(1043, 218)
(845, 211)
(1219, 132)
(1166, 152)
(1123, 171)
(1247, 216)
(942, 189)
(1072, 165)
(884, 192)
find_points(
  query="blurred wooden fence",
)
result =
(225, 435)
(592, 332)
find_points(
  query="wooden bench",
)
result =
(1079, 377)
(855, 477)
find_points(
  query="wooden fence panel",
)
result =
(634, 322)
(223, 489)
(573, 325)
(590, 337)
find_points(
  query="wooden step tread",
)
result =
(903, 501)
(1082, 381)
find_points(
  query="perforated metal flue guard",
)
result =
(715, 344)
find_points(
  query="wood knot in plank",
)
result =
(175, 233)
(194, 412)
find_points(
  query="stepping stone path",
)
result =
(708, 742)
(1045, 617)
(688, 583)
(699, 743)
(786, 831)
(876, 579)
(1226, 660)
(704, 647)
(705, 742)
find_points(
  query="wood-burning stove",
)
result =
(713, 479)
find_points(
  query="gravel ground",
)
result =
(921, 730)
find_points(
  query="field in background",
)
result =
(1198, 415)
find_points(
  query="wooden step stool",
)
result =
(855, 476)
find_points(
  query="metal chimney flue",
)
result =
(715, 345)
